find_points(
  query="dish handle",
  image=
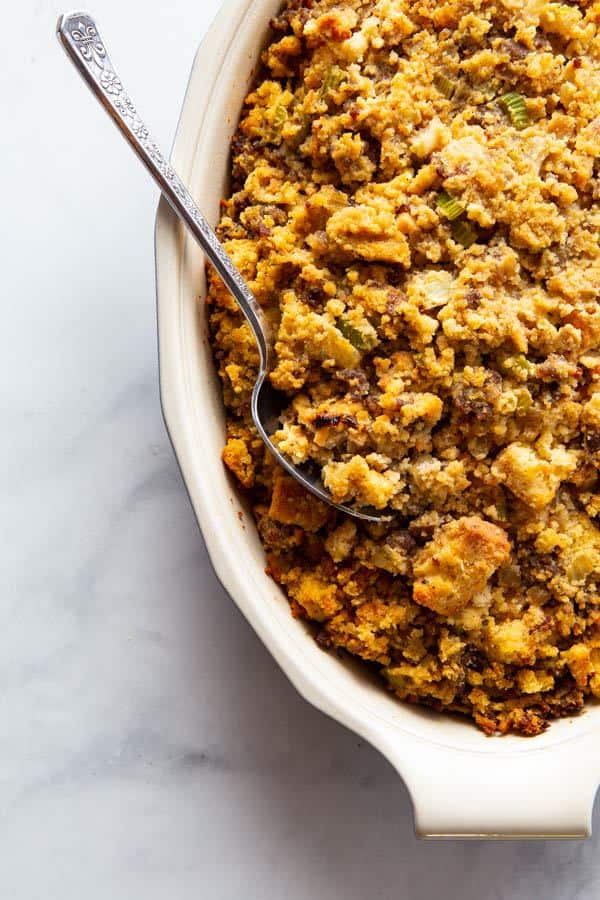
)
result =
(526, 794)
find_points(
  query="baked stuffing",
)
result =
(414, 203)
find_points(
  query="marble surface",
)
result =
(149, 747)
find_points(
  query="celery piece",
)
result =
(463, 233)
(515, 106)
(279, 120)
(444, 85)
(449, 206)
(362, 342)
(332, 81)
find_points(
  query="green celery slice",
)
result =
(360, 341)
(444, 85)
(463, 233)
(449, 206)
(516, 108)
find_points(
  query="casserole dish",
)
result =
(462, 784)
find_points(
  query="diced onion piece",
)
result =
(436, 287)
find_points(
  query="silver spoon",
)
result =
(81, 40)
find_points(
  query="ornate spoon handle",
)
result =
(81, 39)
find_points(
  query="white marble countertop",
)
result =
(149, 747)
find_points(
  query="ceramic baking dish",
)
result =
(462, 784)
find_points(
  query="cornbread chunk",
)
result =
(533, 479)
(457, 564)
(579, 660)
(415, 204)
(339, 543)
(591, 413)
(511, 642)
(369, 234)
(318, 598)
(237, 458)
(291, 504)
(356, 480)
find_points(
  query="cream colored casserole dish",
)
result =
(462, 783)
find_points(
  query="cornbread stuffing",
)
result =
(415, 205)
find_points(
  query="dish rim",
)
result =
(521, 798)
